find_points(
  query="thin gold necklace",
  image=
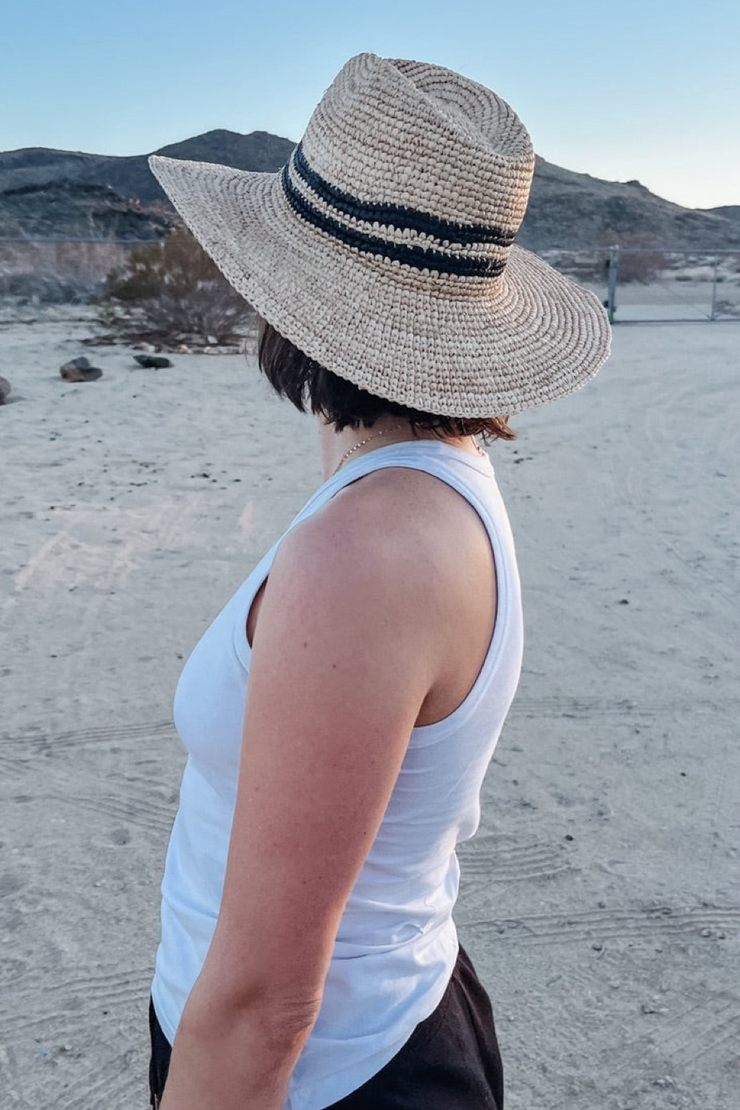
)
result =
(357, 446)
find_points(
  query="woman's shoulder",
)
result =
(395, 537)
(386, 517)
(406, 564)
(367, 532)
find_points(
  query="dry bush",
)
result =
(642, 266)
(171, 292)
(56, 272)
(635, 263)
(582, 265)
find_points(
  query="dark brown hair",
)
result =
(310, 386)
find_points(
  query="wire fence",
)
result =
(653, 286)
(650, 285)
(636, 285)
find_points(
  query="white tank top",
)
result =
(396, 945)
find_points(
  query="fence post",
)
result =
(611, 296)
(714, 290)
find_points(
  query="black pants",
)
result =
(450, 1062)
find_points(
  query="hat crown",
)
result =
(418, 136)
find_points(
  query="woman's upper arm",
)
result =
(338, 673)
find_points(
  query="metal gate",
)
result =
(648, 286)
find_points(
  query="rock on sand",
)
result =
(153, 362)
(80, 370)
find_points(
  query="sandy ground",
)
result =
(601, 899)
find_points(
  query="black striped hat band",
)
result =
(401, 218)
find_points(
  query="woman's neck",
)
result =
(338, 448)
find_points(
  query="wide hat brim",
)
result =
(482, 349)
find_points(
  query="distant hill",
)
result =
(576, 211)
(74, 209)
(729, 211)
(65, 194)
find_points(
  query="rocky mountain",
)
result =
(60, 194)
(576, 211)
(73, 209)
(63, 194)
(729, 211)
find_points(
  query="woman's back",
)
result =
(396, 943)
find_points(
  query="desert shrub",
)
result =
(642, 267)
(636, 263)
(170, 291)
(56, 272)
(581, 265)
(726, 308)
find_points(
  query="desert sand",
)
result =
(601, 898)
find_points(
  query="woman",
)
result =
(309, 958)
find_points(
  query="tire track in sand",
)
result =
(50, 1004)
(111, 1081)
(696, 1032)
(491, 859)
(589, 708)
(146, 814)
(604, 925)
(21, 747)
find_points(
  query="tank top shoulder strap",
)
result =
(474, 479)
(431, 456)
(470, 475)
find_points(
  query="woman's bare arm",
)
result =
(341, 664)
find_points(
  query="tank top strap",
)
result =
(471, 475)
(432, 456)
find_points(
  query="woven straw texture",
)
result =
(384, 248)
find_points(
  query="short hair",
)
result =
(311, 387)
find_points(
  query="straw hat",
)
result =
(384, 249)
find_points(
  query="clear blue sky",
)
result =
(646, 89)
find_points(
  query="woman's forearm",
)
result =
(232, 1059)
